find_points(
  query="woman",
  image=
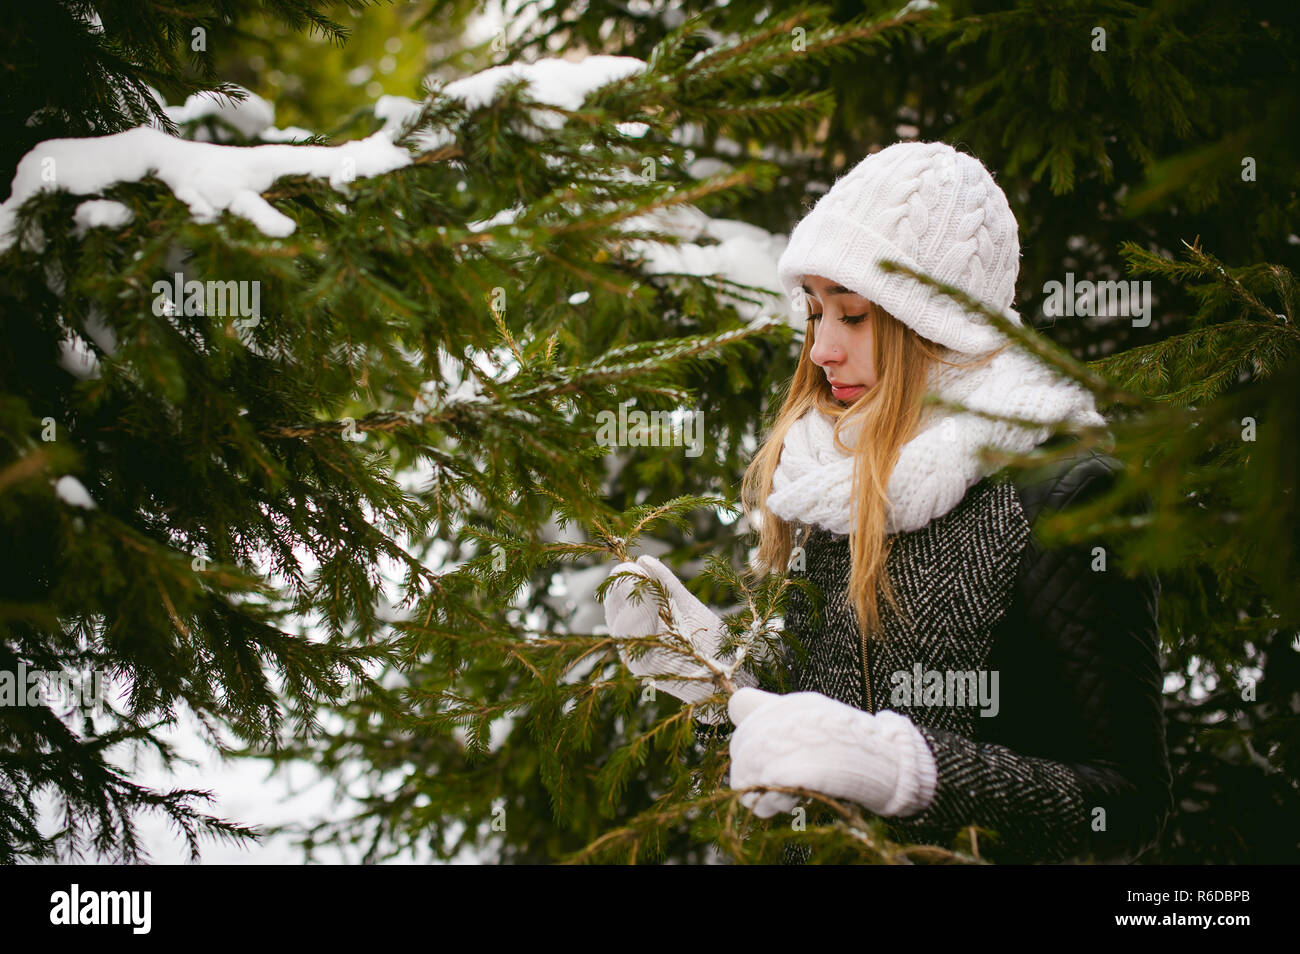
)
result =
(957, 672)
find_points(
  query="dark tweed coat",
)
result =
(1074, 765)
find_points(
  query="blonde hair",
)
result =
(890, 412)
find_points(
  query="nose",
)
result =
(828, 347)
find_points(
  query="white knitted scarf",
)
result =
(813, 480)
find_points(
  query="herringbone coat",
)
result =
(1072, 764)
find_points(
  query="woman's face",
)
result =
(842, 342)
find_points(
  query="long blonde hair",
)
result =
(890, 413)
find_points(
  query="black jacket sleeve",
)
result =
(1075, 766)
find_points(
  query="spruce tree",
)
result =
(1121, 151)
(381, 507)
(267, 516)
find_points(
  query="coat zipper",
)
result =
(866, 671)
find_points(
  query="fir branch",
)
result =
(1036, 344)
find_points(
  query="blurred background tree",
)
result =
(328, 87)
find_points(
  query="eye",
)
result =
(847, 319)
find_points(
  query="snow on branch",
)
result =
(207, 177)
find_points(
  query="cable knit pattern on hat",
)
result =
(926, 206)
(813, 481)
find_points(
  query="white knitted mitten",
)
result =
(808, 740)
(628, 614)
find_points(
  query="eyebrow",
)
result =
(833, 290)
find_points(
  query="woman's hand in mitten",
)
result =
(699, 624)
(629, 614)
(810, 741)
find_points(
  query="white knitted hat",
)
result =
(926, 206)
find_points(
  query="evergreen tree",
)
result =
(382, 506)
(206, 500)
(1099, 181)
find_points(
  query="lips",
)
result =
(846, 392)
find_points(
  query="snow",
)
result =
(244, 792)
(100, 213)
(77, 358)
(287, 134)
(75, 354)
(500, 365)
(556, 82)
(736, 251)
(253, 117)
(740, 253)
(99, 330)
(458, 383)
(73, 492)
(208, 177)
(707, 166)
(504, 217)
(91, 19)
(398, 111)
(249, 116)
